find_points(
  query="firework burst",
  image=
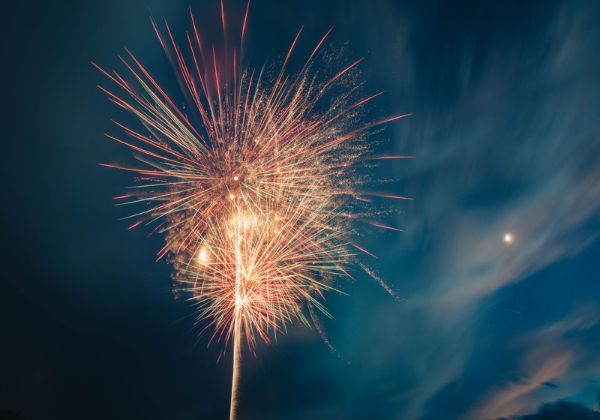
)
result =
(255, 189)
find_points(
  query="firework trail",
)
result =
(256, 190)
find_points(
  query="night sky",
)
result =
(505, 97)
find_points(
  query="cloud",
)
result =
(512, 156)
(509, 148)
(562, 410)
(513, 399)
(549, 355)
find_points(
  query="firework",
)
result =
(254, 187)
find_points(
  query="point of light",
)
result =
(203, 256)
(241, 300)
(508, 238)
(235, 178)
(231, 196)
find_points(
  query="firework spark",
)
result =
(255, 190)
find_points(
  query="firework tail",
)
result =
(236, 371)
(237, 327)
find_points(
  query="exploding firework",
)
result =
(254, 187)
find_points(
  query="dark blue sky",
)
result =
(505, 97)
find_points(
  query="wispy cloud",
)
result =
(549, 354)
(512, 148)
